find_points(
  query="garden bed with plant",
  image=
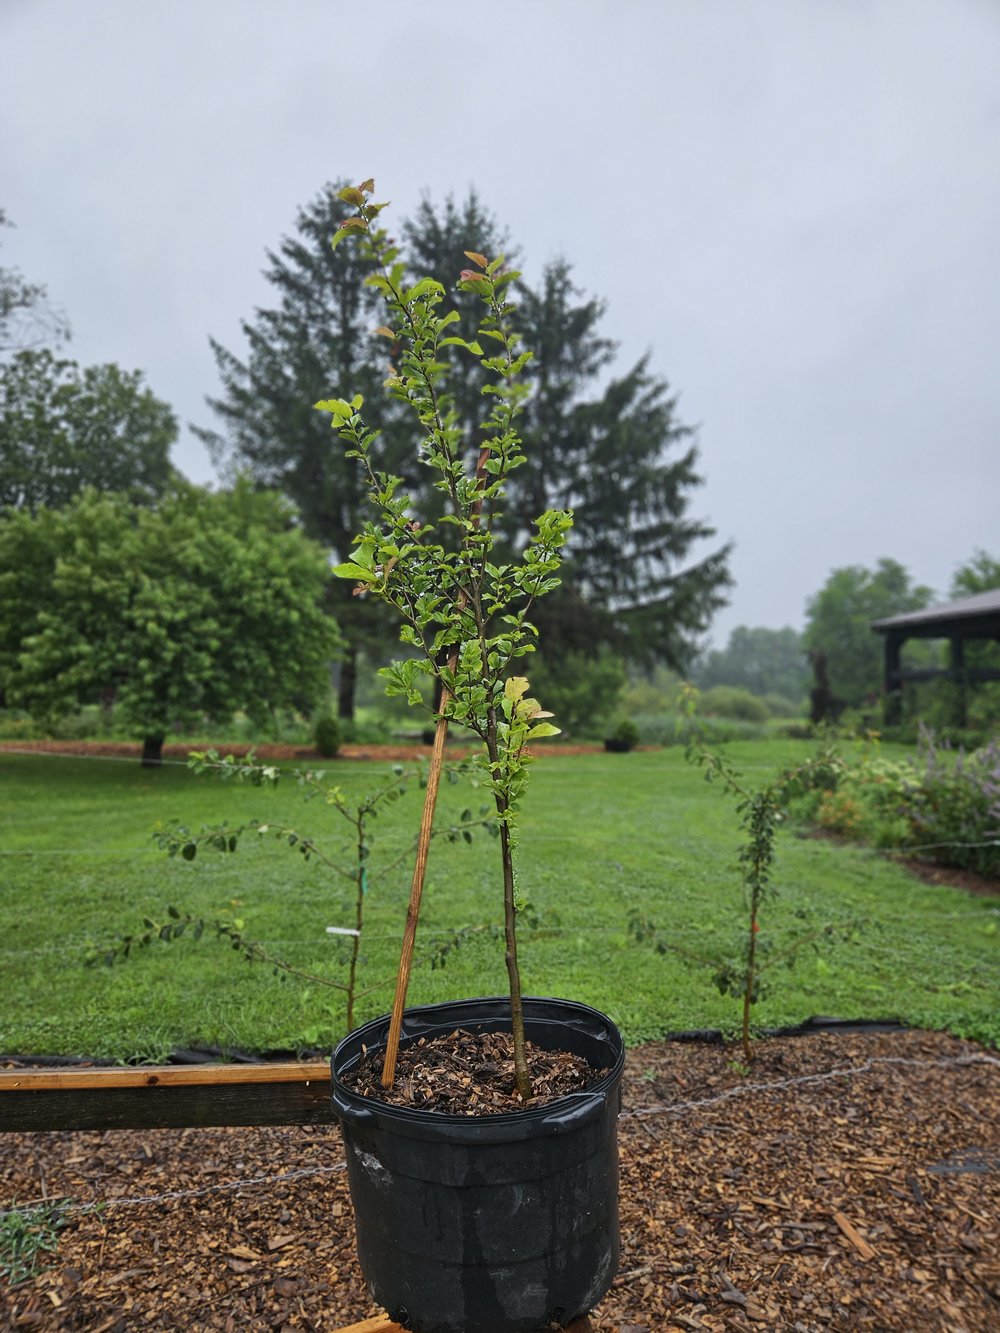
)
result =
(508, 1194)
(847, 1182)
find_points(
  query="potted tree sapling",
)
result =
(485, 1195)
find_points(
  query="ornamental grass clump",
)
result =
(463, 604)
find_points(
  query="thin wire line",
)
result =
(220, 1188)
(743, 1089)
(846, 1071)
(90, 758)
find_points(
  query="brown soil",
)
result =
(847, 1182)
(470, 1073)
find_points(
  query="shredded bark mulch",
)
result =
(846, 1182)
(471, 1074)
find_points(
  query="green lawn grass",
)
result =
(602, 836)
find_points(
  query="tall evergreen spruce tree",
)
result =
(435, 242)
(318, 337)
(604, 447)
(610, 448)
(602, 452)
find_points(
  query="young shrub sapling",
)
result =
(463, 604)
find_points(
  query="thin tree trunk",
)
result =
(750, 987)
(348, 683)
(152, 751)
(521, 1076)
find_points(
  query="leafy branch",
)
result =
(176, 839)
(760, 812)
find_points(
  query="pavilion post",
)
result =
(893, 705)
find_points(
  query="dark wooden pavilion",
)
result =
(975, 618)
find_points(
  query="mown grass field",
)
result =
(603, 836)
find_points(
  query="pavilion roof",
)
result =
(980, 606)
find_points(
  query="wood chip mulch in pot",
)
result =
(847, 1182)
(470, 1074)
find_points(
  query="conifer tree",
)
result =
(609, 446)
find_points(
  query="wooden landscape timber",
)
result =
(165, 1096)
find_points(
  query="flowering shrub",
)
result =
(943, 806)
(868, 802)
(954, 809)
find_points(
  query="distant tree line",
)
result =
(837, 651)
(102, 542)
(85, 466)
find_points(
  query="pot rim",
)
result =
(589, 1026)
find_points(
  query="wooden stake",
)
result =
(416, 892)
(424, 841)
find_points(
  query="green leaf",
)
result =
(542, 729)
(346, 228)
(337, 407)
(349, 570)
(422, 288)
(455, 341)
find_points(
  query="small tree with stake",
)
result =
(464, 608)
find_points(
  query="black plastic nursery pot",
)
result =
(487, 1224)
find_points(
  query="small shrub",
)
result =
(732, 702)
(944, 807)
(582, 691)
(15, 726)
(779, 705)
(625, 737)
(653, 693)
(677, 729)
(327, 736)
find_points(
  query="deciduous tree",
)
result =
(980, 573)
(839, 619)
(761, 660)
(63, 429)
(189, 610)
(26, 318)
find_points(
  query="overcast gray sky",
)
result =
(794, 205)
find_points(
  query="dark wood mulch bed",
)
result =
(849, 1182)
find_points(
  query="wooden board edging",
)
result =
(165, 1096)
